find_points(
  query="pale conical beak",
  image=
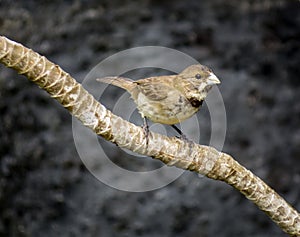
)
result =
(212, 80)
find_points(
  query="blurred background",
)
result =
(252, 46)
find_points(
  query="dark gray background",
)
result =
(253, 47)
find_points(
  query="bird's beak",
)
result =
(212, 79)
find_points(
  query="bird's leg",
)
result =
(182, 136)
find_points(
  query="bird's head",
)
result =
(196, 81)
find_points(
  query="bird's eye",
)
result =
(198, 76)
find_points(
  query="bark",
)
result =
(202, 159)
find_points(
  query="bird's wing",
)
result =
(154, 89)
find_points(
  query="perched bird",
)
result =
(169, 99)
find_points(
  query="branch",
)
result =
(202, 159)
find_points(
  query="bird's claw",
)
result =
(185, 139)
(182, 136)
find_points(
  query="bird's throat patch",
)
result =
(195, 102)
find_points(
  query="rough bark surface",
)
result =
(172, 151)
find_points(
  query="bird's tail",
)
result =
(122, 82)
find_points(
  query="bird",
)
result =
(168, 99)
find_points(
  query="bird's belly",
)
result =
(167, 111)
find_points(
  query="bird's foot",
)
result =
(182, 136)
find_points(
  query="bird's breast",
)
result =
(173, 109)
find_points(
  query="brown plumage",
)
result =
(169, 99)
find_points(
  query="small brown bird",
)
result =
(169, 99)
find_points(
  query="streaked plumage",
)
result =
(169, 99)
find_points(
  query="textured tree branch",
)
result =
(170, 150)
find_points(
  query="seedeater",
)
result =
(169, 99)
